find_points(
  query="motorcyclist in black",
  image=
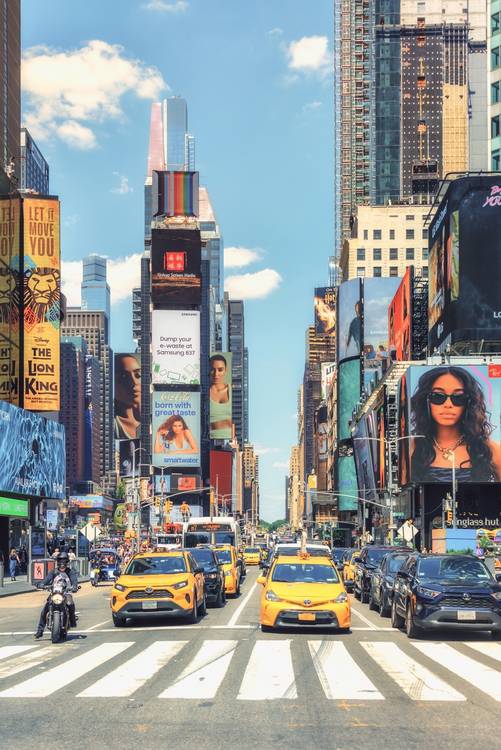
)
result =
(62, 568)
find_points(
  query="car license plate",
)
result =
(149, 605)
(467, 614)
(306, 616)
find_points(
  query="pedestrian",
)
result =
(23, 557)
(13, 563)
(72, 558)
(55, 553)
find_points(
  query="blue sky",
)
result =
(259, 92)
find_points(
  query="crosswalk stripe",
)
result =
(269, 674)
(8, 651)
(484, 678)
(26, 661)
(204, 674)
(135, 672)
(340, 676)
(48, 682)
(415, 680)
(493, 650)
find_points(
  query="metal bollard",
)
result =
(1, 575)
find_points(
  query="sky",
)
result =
(257, 80)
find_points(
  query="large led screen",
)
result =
(176, 428)
(127, 396)
(348, 395)
(364, 460)
(399, 320)
(451, 414)
(347, 483)
(176, 267)
(220, 395)
(349, 322)
(378, 295)
(325, 311)
(175, 338)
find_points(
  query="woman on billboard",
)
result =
(174, 436)
(220, 398)
(448, 408)
(127, 397)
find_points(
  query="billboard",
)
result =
(378, 295)
(465, 263)
(221, 476)
(452, 413)
(127, 396)
(128, 454)
(349, 319)
(325, 311)
(364, 460)
(33, 454)
(176, 428)
(10, 298)
(175, 344)
(220, 394)
(328, 373)
(42, 304)
(174, 193)
(92, 502)
(399, 320)
(176, 267)
(348, 395)
(347, 483)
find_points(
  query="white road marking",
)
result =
(104, 622)
(364, 619)
(339, 674)
(415, 680)
(58, 677)
(134, 673)
(240, 608)
(484, 678)
(493, 650)
(7, 651)
(269, 674)
(204, 674)
(26, 661)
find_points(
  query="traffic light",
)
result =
(157, 502)
(169, 505)
(448, 516)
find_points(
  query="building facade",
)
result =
(95, 287)
(34, 170)
(234, 310)
(10, 89)
(494, 133)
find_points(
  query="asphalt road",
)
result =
(224, 684)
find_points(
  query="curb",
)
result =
(30, 590)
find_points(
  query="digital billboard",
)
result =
(378, 295)
(400, 320)
(42, 304)
(328, 374)
(349, 319)
(175, 341)
(364, 460)
(347, 483)
(465, 263)
(348, 395)
(325, 310)
(176, 428)
(129, 455)
(176, 267)
(220, 394)
(127, 374)
(10, 298)
(452, 414)
(174, 193)
(33, 454)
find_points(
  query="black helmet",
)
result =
(62, 557)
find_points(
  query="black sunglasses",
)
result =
(457, 399)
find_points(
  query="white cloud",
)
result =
(176, 6)
(277, 31)
(253, 285)
(261, 450)
(238, 257)
(311, 107)
(124, 274)
(71, 220)
(280, 464)
(310, 54)
(123, 187)
(68, 91)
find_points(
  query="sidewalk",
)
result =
(19, 586)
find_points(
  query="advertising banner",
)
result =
(42, 304)
(174, 193)
(452, 413)
(10, 298)
(162, 484)
(400, 320)
(176, 428)
(33, 451)
(92, 502)
(347, 483)
(325, 310)
(328, 373)
(221, 421)
(129, 454)
(176, 347)
(349, 320)
(364, 461)
(127, 396)
(348, 395)
(176, 267)
(378, 295)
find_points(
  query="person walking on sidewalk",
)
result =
(14, 561)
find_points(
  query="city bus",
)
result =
(216, 530)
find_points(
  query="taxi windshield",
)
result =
(223, 555)
(150, 566)
(252, 550)
(304, 573)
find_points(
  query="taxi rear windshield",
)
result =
(305, 573)
(151, 566)
(252, 550)
(223, 555)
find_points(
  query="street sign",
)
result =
(407, 532)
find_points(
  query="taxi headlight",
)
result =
(272, 597)
(57, 598)
(180, 585)
(119, 587)
(342, 598)
(430, 593)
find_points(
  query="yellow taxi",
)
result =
(302, 590)
(232, 567)
(166, 584)
(349, 565)
(252, 555)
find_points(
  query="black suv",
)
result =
(446, 591)
(206, 559)
(383, 580)
(366, 564)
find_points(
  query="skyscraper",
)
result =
(95, 288)
(10, 88)
(34, 172)
(234, 310)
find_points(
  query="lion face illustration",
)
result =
(9, 296)
(41, 293)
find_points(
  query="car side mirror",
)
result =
(402, 574)
(357, 559)
(498, 577)
(116, 572)
(261, 580)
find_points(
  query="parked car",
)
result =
(446, 591)
(369, 558)
(349, 564)
(206, 559)
(383, 579)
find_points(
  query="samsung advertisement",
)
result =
(175, 347)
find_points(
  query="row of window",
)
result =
(410, 234)
(377, 271)
(377, 253)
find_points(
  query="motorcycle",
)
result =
(58, 616)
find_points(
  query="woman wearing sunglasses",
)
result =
(448, 408)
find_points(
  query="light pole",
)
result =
(135, 494)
